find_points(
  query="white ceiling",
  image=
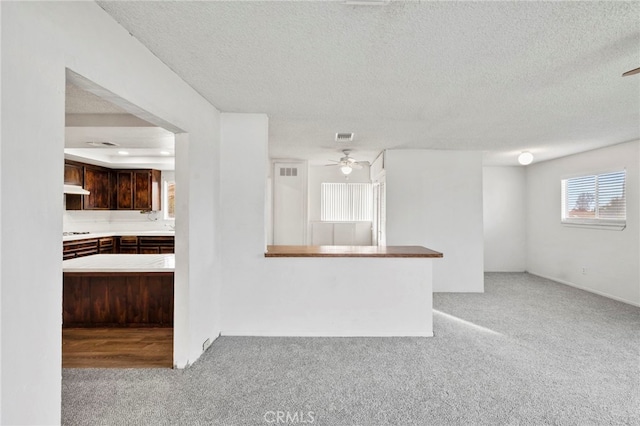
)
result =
(91, 120)
(498, 77)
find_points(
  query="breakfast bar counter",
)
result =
(337, 291)
(350, 251)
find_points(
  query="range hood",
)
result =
(75, 189)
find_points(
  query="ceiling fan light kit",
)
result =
(525, 158)
(346, 170)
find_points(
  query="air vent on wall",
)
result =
(102, 144)
(344, 137)
(288, 171)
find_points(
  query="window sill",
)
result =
(610, 226)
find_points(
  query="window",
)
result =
(596, 200)
(169, 199)
(346, 202)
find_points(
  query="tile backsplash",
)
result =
(113, 220)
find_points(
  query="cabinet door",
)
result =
(124, 188)
(149, 250)
(72, 174)
(142, 192)
(97, 182)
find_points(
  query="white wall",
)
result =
(504, 219)
(39, 41)
(291, 296)
(560, 252)
(434, 199)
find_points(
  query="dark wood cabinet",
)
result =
(113, 189)
(128, 245)
(124, 190)
(138, 189)
(106, 245)
(126, 299)
(156, 244)
(73, 175)
(97, 181)
(79, 248)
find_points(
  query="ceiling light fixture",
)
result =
(346, 170)
(123, 152)
(525, 158)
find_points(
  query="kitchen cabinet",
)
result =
(97, 180)
(138, 189)
(113, 189)
(79, 248)
(128, 245)
(73, 175)
(106, 245)
(124, 190)
(156, 244)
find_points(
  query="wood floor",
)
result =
(117, 347)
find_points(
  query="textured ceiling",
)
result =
(499, 77)
(80, 101)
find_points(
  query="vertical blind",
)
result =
(349, 202)
(595, 197)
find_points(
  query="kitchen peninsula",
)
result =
(118, 290)
(352, 291)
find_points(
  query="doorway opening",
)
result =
(122, 159)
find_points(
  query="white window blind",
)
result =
(346, 202)
(595, 199)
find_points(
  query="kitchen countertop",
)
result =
(158, 233)
(121, 263)
(351, 251)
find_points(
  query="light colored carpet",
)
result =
(528, 351)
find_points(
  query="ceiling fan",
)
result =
(347, 164)
(631, 72)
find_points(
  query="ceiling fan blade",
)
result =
(356, 166)
(631, 72)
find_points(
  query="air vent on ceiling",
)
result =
(344, 137)
(102, 144)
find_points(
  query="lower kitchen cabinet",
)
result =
(156, 244)
(128, 245)
(79, 248)
(106, 245)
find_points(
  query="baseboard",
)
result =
(320, 334)
(574, 285)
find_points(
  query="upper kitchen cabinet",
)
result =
(97, 180)
(73, 175)
(124, 190)
(138, 189)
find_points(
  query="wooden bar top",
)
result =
(350, 251)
